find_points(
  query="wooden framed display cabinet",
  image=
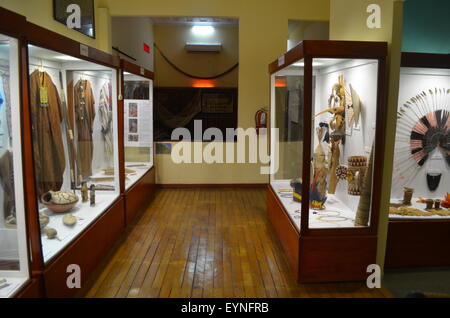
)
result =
(328, 108)
(139, 185)
(72, 136)
(16, 269)
(417, 235)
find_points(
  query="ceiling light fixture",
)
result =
(66, 58)
(202, 29)
(198, 83)
(302, 64)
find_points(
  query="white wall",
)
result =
(129, 35)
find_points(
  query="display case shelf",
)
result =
(421, 164)
(328, 110)
(85, 216)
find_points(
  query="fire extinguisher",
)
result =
(260, 119)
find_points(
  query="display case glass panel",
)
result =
(74, 120)
(138, 116)
(287, 107)
(14, 271)
(344, 110)
(421, 170)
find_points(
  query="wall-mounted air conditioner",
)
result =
(204, 47)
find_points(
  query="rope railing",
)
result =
(191, 75)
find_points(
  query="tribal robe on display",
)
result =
(84, 106)
(49, 158)
(105, 112)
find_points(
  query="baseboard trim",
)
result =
(214, 185)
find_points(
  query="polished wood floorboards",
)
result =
(206, 243)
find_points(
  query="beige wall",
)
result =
(302, 30)
(129, 35)
(348, 22)
(167, 172)
(317, 31)
(40, 12)
(171, 40)
(263, 30)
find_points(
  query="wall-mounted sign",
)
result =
(146, 48)
(76, 14)
(84, 50)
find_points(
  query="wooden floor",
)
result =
(206, 243)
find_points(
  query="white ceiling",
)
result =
(195, 21)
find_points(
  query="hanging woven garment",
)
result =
(84, 106)
(105, 111)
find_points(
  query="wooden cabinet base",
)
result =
(32, 289)
(285, 230)
(337, 258)
(316, 259)
(86, 251)
(415, 243)
(138, 195)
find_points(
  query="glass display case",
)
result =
(14, 266)
(421, 173)
(420, 199)
(327, 119)
(287, 108)
(138, 122)
(73, 107)
(343, 108)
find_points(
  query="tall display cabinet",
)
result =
(75, 199)
(328, 114)
(419, 215)
(139, 185)
(15, 269)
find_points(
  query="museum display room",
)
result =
(359, 148)
(421, 177)
(327, 103)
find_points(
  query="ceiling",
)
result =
(195, 21)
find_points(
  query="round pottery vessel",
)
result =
(48, 199)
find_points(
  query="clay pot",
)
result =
(53, 203)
